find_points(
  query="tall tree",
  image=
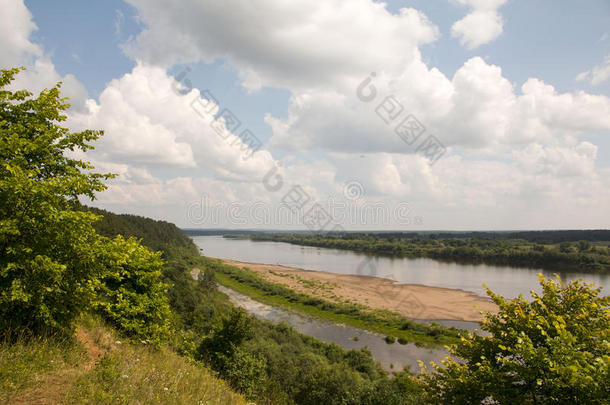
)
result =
(47, 248)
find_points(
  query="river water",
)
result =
(506, 281)
(393, 357)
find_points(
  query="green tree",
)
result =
(554, 349)
(245, 372)
(131, 294)
(224, 341)
(47, 248)
(584, 245)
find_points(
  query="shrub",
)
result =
(553, 349)
(131, 295)
(390, 340)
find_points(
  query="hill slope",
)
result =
(99, 367)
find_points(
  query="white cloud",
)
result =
(148, 122)
(41, 74)
(520, 146)
(477, 109)
(598, 74)
(297, 44)
(542, 187)
(16, 26)
(16, 49)
(520, 149)
(557, 161)
(322, 51)
(482, 25)
(542, 108)
(119, 19)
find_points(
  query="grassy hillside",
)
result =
(100, 367)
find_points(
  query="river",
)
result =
(504, 280)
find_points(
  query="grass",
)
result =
(101, 368)
(25, 363)
(359, 316)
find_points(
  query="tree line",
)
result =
(582, 256)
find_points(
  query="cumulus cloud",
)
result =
(598, 74)
(16, 26)
(296, 44)
(482, 25)
(148, 122)
(513, 152)
(519, 147)
(477, 109)
(16, 49)
(322, 52)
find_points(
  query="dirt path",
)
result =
(50, 388)
(410, 300)
(94, 351)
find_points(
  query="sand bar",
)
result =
(410, 300)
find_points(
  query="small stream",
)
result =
(388, 355)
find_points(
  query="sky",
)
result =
(341, 114)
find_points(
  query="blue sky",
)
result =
(551, 41)
(540, 39)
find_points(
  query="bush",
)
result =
(553, 349)
(390, 340)
(244, 371)
(131, 295)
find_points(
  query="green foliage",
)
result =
(47, 259)
(156, 235)
(131, 295)
(53, 263)
(244, 371)
(195, 304)
(584, 246)
(222, 344)
(554, 349)
(390, 339)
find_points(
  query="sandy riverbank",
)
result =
(410, 300)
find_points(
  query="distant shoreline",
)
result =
(413, 301)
